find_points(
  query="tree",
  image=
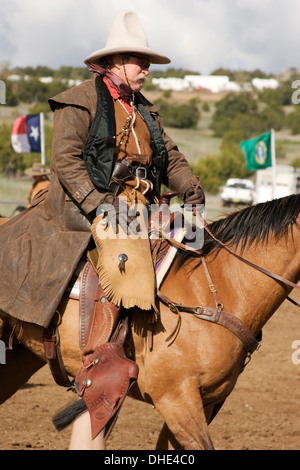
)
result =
(280, 96)
(273, 117)
(295, 163)
(209, 169)
(232, 107)
(292, 121)
(214, 170)
(10, 161)
(180, 116)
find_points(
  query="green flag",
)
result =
(258, 151)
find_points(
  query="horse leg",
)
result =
(166, 440)
(186, 426)
(212, 411)
(20, 365)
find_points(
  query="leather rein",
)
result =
(218, 315)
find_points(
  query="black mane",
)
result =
(251, 225)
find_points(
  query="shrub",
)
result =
(184, 116)
(214, 170)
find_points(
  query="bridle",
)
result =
(249, 263)
(240, 258)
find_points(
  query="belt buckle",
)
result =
(141, 168)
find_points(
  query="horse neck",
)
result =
(249, 294)
(3, 220)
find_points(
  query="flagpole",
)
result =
(273, 156)
(43, 156)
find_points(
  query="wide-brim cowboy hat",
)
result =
(127, 35)
(37, 169)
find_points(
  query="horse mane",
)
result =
(250, 225)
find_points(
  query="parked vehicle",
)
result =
(238, 191)
(286, 182)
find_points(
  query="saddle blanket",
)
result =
(163, 265)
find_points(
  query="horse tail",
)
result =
(64, 417)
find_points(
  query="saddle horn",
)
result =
(166, 197)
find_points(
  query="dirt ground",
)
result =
(262, 413)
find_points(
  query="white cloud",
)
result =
(199, 35)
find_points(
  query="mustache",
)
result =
(140, 76)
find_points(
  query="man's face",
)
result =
(136, 70)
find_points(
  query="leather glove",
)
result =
(117, 212)
(195, 194)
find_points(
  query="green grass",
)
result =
(194, 143)
(13, 192)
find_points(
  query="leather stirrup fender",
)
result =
(104, 318)
(89, 282)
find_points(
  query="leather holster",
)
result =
(121, 174)
(103, 382)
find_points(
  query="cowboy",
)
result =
(109, 150)
(120, 70)
(39, 173)
(96, 125)
(109, 142)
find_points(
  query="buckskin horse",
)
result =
(213, 305)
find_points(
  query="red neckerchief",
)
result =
(117, 87)
(115, 94)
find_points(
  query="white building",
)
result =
(170, 83)
(14, 77)
(71, 82)
(261, 83)
(275, 183)
(212, 83)
(46, 80)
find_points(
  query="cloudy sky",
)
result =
(199, 35)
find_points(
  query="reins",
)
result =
(240, 258)
(249, 263)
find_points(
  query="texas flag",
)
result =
(26, 134)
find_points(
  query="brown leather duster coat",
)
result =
(41, 247)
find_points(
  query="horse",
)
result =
(193, 363)
(3, 220)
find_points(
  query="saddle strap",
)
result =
(54, 357)
(89, 282)
(218, 316)
(234, 324)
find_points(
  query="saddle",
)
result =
(107, 374)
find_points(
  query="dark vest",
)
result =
(98, 153)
